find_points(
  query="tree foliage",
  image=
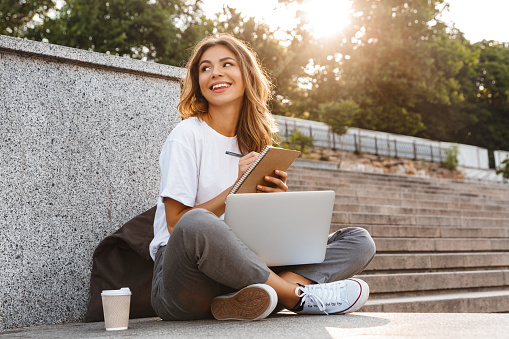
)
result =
(135, 28)
(410, 73)
(339, 115)
(394, 58)
(491, 98)
(16, 14)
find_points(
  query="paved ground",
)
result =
(358, 325)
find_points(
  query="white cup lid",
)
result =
(122, 291)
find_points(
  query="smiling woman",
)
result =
(220, 80)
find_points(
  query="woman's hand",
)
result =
(246, 161)
(280, 183)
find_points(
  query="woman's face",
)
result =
(220, 77)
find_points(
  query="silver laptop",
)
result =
(288, 228)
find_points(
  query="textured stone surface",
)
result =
(80, 136)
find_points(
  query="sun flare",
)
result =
(327, 17)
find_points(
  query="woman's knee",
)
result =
(366, 244)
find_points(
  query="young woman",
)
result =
(201, 267)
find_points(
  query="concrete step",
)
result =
(471, 302)
(395, 189)
(388, 201)
(385, 231)
(412, 245)
(388, 209)
(388, 179)
(377, 193)
(436, 239)
(418, 220)
(437, 261)
(334, 172)
(416, 282)
(403, 182)
(395, 180)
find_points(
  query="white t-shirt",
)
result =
(194, 169)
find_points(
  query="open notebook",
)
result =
(269, 160)
(288, 228)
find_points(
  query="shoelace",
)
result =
(321, 295)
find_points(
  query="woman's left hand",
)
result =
(279, 182)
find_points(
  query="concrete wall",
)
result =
(80, 136)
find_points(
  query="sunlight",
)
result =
(327, 17)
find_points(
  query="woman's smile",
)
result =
(220, 87)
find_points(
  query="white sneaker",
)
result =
(339, 297)
(250, 303)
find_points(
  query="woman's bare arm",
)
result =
(174, 209)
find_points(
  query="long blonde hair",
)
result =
(256, 126)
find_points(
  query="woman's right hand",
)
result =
(246, 161)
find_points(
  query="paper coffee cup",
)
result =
(116, 304)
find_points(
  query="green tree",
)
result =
(492, 96)
(135, 28)
(339, 115)
(408, 72)
(399, 57)
(451, 120)
(15, 15)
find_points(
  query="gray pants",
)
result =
(204, 259)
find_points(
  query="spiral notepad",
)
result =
(269, 160)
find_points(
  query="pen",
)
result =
(234, 154)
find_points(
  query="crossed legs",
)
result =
(204, 259)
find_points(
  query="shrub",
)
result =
(451, 160)
(301, 140)
(504, 169)
(339, 115)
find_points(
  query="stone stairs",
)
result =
(442, 245)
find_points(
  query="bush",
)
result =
(451, 160)
(504, 169)
(301, 140)
(298, 141)
(339, 115)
